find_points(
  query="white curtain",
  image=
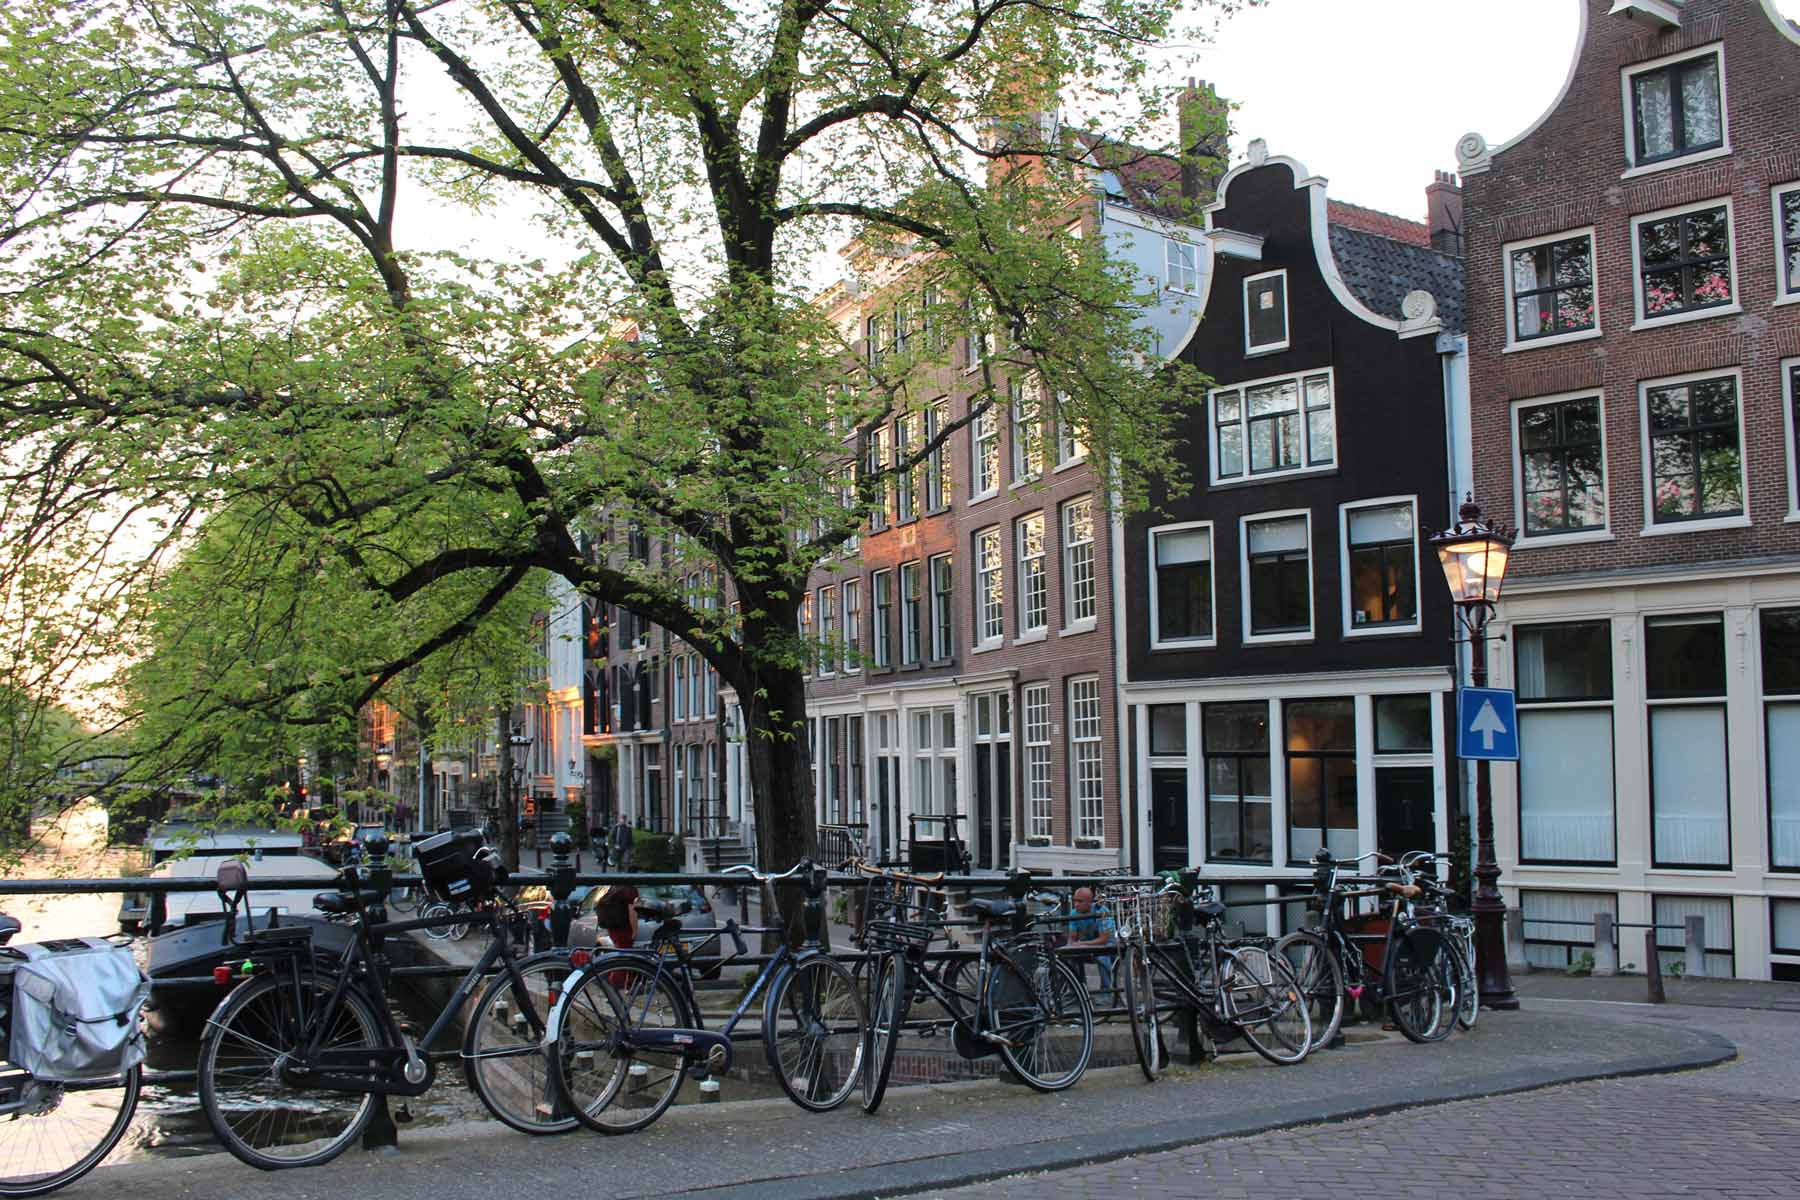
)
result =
(1787, 925)
(1566, 784)
(1784, 785)
(1688, 786)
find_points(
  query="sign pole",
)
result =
(1489, 907)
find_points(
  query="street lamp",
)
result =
(1474, 555)
(520, 741)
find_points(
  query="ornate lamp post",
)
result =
(520, 741)
(1474, 555)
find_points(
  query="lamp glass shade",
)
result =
(1474, 567)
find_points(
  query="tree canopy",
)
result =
(382, 305)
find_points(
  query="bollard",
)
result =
(1653, 966)
(1694, 966)
(1606, 950)
(380, 1133)
(1515, 941)
(562, 886)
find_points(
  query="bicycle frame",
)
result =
(696, 1042)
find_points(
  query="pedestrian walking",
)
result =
(621, 844)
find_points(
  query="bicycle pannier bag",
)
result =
(452, 866)
(75, 1010)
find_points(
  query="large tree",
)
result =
(240, 273)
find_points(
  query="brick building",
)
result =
(1634, 276)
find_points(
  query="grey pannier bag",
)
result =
(75, 1004)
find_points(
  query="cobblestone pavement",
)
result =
(1722, 1133)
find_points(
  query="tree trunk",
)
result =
(780, 764)
(506, 804)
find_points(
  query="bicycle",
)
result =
(629, 1030)
(52, 1132)
(404, 898)
(444, 928)
(1458, 930)
(1247, 989)
(1381, 959)
(294, 1056)
(1027, 1006)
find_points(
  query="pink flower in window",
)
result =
(1658, 298)
(1713, 289)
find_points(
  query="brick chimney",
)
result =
(1204, 131)
(1444, 214)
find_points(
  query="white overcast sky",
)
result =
(1373, 94)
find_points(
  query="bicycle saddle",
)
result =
(1210, 908)
(8, 927)
(996, 909)
(339, 903)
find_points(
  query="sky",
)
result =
(1373, 94)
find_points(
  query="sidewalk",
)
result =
(1706, 993)
(933, 1136)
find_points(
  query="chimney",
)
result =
(1204, 130)
(1444, 214)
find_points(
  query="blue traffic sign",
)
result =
(1487, 724)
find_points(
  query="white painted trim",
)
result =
(1021, 631)
(1513, 341)
(1651, 528)
(1243, 389)
(1790, 396)
(1604, 533)
(1286, 331)
(1781, 23)
(1641, 319)
(1232, 243)
(1686, 160)
(1312, 606)
(1349, 630)
(1472, 151)
(1381, 681)
(1629, 118)
(1783, 295)
(1213, 563)
(1652, 14)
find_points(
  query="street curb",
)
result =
(913, 1176)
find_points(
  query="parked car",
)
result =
(586, 931)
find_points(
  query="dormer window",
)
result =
(1677, 108)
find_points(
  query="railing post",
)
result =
(1695, 947)
(1606, 950)
(1653, 966)
(562, 886)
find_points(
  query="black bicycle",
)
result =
(1242, 988)
(1027, 1005)
(293, 1058)
(1385, 958)
(629, 1029)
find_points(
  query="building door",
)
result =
(992, 720)
(1403, 810)
(1169, 818)
(887, 787)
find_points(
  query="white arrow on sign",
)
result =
(1487, 723)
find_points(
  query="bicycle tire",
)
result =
(808, 1035)
(1140, 1008)
(889, 999)
(14, 1134)
(264, 1006)
(1468, 1004)
(1276, 1020)
(1416, 991)
(1037, 1014)
(433, 909)
(609, 1090)
(403, 899)
(504, 1060)
(1321, 980)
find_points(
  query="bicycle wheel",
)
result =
(1421, 997)
(1044, 1019)
(259, 1117)
(437, 908)
(1321, 981)
(813, 1031)
(1468, 991)
(503, 1048)
(888, 1002)
(612, 1089)
(55, 1133)
(1140, 1007)
(403, 899)
(1263, 999)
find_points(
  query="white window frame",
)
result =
(881, 638)
(1026, 467)
(942, 609)
(1067, 440)
(1516, 344)
(680, 713)
(1790, 396)
(1312, 584)
(1640, 319)
(1156, 641)
(1089, 828)
(982, 640)
(1604, 533)
(1344, 511)
(912, 613)
(1039, 761)
(1783, 294)
(1071, 622)
(1178, 275)
(1626, 74)
(1697, 524)
(986, 420)
(1287, 334)
(1027, 629)
(1242, 388)
(827, 610)
(852, 629)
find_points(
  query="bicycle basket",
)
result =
(1140, 913)
(453, 866)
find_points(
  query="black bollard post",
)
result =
(562, 886)
(380, 1133)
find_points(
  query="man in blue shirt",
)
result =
(1092, 928)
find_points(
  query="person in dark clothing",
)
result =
(621, 844)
